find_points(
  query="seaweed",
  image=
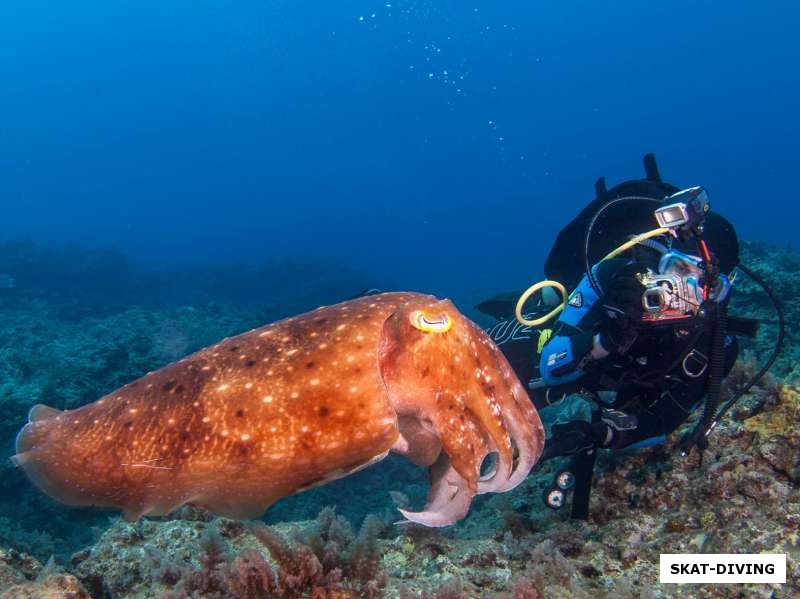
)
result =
(331, 563)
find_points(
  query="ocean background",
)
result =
(172, 173)
(436, 146)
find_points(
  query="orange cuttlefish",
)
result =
(293, 405)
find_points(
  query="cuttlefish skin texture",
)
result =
(292, 405)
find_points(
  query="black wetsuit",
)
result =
(657, 382)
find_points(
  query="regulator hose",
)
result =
(776, 351)
(529, 292)
(716, 372)
(563, 291)
(705, 427)
(587, 240)
(587, 264)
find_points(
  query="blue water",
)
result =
(435, 145)
(400, 144)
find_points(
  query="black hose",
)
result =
(716, 372)
(775, 352)
(710, 419)
(587, 240)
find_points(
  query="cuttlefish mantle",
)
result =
(292, 405)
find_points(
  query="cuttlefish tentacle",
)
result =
(472, 401)
(293, 405)
(448, 499)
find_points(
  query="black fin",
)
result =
(600, 189)
(743, 327)
(500, 306)
(651, 167)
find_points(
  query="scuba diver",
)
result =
(643, 332)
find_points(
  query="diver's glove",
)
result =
(576, 436)
(623, 308)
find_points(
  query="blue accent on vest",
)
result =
(648, 442)
(557, 354)
(572, 315)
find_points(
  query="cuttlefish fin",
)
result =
(41, 412)
(448, 499)
(32, 455)
(33, 433)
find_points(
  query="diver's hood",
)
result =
(565, 263)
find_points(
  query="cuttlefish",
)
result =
(293, 405)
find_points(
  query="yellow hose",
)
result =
(529, 292)
(632, 242)
(563, 291)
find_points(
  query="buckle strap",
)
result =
(695, 364)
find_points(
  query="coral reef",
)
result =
(17, 568)
(60, 346)
(206, 557)
(56, 586)
(23, 577)
(741, 497)
(781, 269)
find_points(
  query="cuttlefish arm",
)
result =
(453, 389)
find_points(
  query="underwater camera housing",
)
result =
(665, 297)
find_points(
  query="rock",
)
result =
(743, 496)
(763, 488)
(55, 586)
(17, 568)
(784, 458)
(9, 576)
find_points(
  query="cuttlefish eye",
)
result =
(428, 323)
